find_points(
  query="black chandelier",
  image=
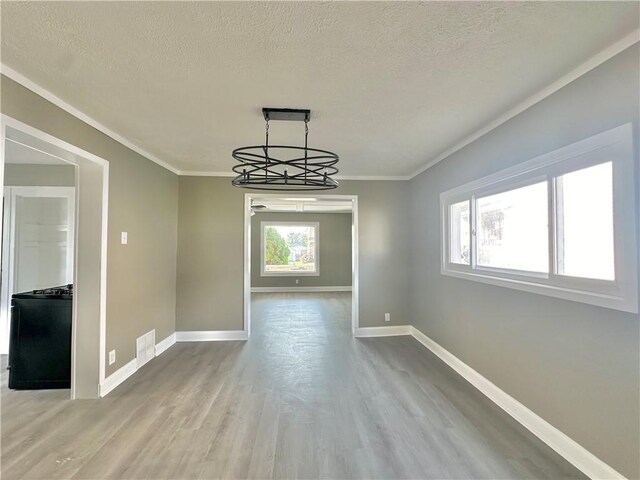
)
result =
(285, 167)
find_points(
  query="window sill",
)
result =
(599, 299)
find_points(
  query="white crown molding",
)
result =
(585, 67)
(212, 336)
(389, 331)
(566, 447)
(57, 101)
(390, 178)
(590, 64)
(188, 173)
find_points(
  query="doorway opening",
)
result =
(54, 233)
(303, 244)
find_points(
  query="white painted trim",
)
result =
(375, 178)
(585, 67)
(212, 336)
(163, 345)
(389, 331)
(191, 173)
(566, 447)
(299, 289)
(57, 101)
(117, 377)
(7, 121)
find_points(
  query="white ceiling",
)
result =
(17, 153)
(391, 85)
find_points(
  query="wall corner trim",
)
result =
(163, 345)
(388, 331)
(566, 447)
(212, 335)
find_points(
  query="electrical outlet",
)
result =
(112, 357)
(297, 281)
(387, 317)
(124, 238)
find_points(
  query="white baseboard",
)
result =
(117, 377)
(389, 331)
(298, 289)
(124, 372)
(212, 336)
(163, 345)
(566, 447)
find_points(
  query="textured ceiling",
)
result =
(391, 85)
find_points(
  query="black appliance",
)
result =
(40, 339)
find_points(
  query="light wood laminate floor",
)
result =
(300, 399)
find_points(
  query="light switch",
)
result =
(123, 238)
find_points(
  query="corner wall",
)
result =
(575, 365)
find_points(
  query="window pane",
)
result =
(513, 229)
(585, 223)
(289, 248)
(459, 233)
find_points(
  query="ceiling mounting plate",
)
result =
(290, 114)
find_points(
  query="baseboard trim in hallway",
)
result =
(124, 372)
(163, 345)
(212, 336)
(388, 331)
(566, 447)
(117, 377)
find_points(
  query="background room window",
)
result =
(562, 224)
(513, 229)
(289, 248)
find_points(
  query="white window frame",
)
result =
(616, 146)
(263, 246)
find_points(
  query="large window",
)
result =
(289, 248)
(562, 224)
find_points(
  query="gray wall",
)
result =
(575, 365)
(334, 250)
(210, 252)
(26, 175)
(143, 199)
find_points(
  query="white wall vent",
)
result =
(145, 348)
